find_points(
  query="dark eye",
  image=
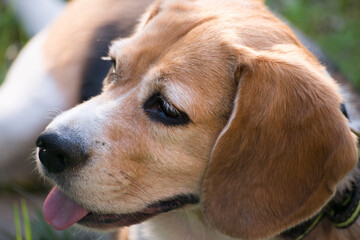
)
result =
(160, 110)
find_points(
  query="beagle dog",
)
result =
(214, 122)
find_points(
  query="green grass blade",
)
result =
(17, 222)
(27, 226)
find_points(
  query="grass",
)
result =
(26, 221)
(12, 38)
(37, 229)
(25, 212)
(334, 25)
(17, 222)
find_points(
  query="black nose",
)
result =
(58, 152)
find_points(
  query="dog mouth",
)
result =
(121, 220)
(61, 212)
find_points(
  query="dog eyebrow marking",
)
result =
(116, 47)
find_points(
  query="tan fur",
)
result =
(123, 234)
(266, 146)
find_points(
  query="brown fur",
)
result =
(278, 132)
(266, 146)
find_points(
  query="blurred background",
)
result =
(12, 38)
(334, 25)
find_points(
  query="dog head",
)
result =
(207, 101)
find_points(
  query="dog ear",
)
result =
(284, 149)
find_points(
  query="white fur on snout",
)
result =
(89, 118)
(96, 179)
(85, 120)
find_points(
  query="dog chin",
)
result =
(111, 221)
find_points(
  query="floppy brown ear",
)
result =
(283, 150)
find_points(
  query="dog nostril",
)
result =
(52, 161)
(57, 153)
(39, 143)
(60, 163)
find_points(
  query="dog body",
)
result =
(19, 97)
(57, 69)
(213, 123)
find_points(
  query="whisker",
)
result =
(126, 192)
(52, 113)
(136, 184)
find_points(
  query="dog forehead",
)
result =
(196, 74)
(186, 57)
(154, 39)
(200, 60)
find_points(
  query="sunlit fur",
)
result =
(267, 143)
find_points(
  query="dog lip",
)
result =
(106, 221)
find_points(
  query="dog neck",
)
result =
(187, 223)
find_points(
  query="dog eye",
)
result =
(160, 110)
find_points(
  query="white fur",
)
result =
(35, 15)
(87, 117)
(27, 97)
(182, 224)
(84, 118)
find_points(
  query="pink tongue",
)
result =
(60, 211)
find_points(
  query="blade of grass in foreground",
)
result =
(27, 226)
(17, 222)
